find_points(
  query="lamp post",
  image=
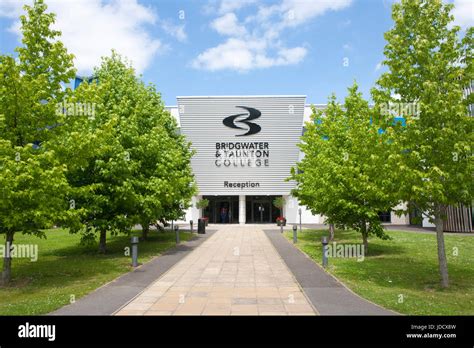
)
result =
(134, 243)
(176, 231)
(324, 242)
(299, 212)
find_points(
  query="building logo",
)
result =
(252, 128)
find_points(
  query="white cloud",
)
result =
(242, 55)
(296, 12)
(258, 44)
(228, 25)
(91, 28)
(233, 5)
(10, 8)
(463, 13)
(378, 66)
(177, 31)
(291, 55)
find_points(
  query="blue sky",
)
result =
(228, 47)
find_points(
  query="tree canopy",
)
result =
(429, 65)
(33, 183)
(344, 173)
(137, 166)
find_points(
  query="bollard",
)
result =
(134, 251)
(324, 242)
(176, 231)
(281, 227)
(201, 226)
(295, 237)
(299, 211)
(191, 223)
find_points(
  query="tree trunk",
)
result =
(442, 261)
(365, 236)
(7, 259)
(331, 232)
(145, 230)
(102, 242)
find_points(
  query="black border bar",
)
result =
(215, 330)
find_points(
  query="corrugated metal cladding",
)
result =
(281, 123)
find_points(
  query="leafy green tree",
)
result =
(429, 66)
(344, 175)
(202, 204)
(279, 203)
(102, 185)
(163, 183)
(33, 184)
(138, 166)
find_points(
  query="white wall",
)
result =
(400, 220)
(192, 213)
(292, 216)
(174, 112)
(427, 223)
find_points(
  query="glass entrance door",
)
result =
(224, 212)
(222, 209)
(261, 211)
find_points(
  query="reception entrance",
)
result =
(260, 209)
(222, 209)
(225, 209)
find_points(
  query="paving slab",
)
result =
(110, 297)
(236, 271)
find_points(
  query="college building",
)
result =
(245, 147)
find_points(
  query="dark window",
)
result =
(385, 216)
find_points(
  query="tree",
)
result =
(164, 183)
(33, 184)
(138, 166)
(344, 175)
(279, 203)
(202, 204)
(429, 66)
(102, 187)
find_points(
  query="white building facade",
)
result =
(245, 148)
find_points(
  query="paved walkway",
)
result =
(110, 297)
(237, 271)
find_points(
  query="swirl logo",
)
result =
(252, 114)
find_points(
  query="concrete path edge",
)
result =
(327, 294)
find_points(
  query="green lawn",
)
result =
(65, 268)
(406, 265)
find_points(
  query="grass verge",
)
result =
(66, 270)
(402, 274)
